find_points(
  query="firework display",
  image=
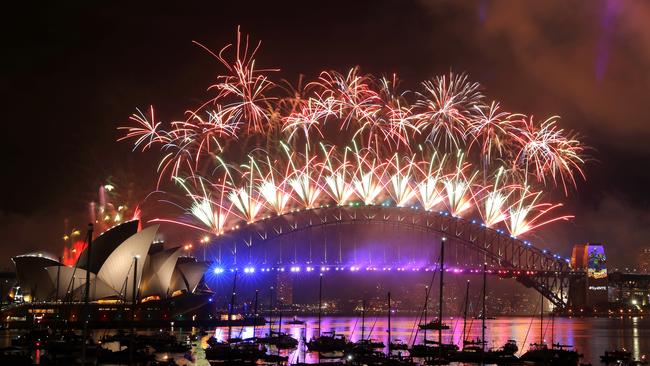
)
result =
(261, 147)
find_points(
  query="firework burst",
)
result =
(351, 136)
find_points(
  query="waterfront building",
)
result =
(591, 290)
(125, 266)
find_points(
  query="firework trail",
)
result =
(346, 137)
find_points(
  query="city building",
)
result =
(630, 289)
(591, 290)
(285, 288)
(644, 260)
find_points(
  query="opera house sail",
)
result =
(117, 256)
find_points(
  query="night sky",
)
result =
(73, 73)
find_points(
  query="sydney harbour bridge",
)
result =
(384, 238)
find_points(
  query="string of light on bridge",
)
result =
(218, 270)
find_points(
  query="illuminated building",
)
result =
(122, 258)
(644, 260)
(630, 289)
(285, 288)
(592, 289)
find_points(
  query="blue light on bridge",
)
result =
(371, 268)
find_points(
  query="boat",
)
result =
(68, 342)
(617, 356)
(436, 352)
(15, 356)
(280, 340)
(376, 358)
(365, 343)
(34, 339)
(163, 342)
(364, 352)
(510, 347)
(434, 324)
(274, 360)
(432, 349)
(328, 342)
(474, 350)
(557, 355)
(473, 342)
(296, 321)
(233, 353)
(398, 345)
(368, 344)
(642, 361)
(123, 356)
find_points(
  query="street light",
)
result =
(188, 248)
(205, 240)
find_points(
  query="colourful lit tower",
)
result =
(591, 290)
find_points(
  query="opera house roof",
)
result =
(113, 255)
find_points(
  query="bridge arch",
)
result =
(248, 242)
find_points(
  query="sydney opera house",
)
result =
(169, 287)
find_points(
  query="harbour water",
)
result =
(589, 336)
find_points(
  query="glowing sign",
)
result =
(597, 288)
(597, 262)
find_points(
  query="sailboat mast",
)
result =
(552, 327)
(320, 300)
(363, 319)
(541, 322)
(232, 306)
(389, 311)
(270, 310)
(465, 313)
(279, 304)
(426, 305)
(442, 273)
(255, 312)
(483, 310)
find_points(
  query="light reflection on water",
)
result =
(590, 336)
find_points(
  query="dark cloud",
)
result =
(623, 228)
(588, 55)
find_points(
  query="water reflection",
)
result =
(590, 336)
